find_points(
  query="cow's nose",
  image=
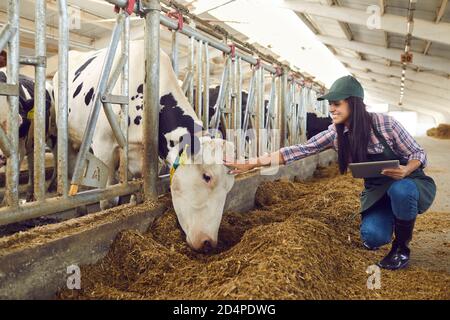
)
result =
(2, 160)
(207, 246)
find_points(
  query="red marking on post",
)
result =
(178, 16)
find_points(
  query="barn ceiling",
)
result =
(373, 54)
(370, 54)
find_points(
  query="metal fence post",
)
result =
(206, 71)
(124, 108)
(283, 107)
(63, 61)
(199, 80)
(39, 99)
(174, 56)
(12, 166)
(151, 98)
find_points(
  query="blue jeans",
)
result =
(400, 202)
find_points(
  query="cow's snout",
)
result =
(2, 160)
(204, 244)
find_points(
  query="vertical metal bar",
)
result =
(283, 108)
(191, 59)
(125, 42)
(234, 95)
(229, 95)
(206, 71)
(12, 165)
(238, 107)
(174, 56)
(261, 112)
(93, 116)
(5, 35)
(63, 57)
(250, 99)
(151, 98)
(269, 124)
(198, 80)
(221, 97)
(39, 102)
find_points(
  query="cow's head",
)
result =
(199, 189)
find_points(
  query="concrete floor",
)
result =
(438, 153)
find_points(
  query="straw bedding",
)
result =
(442, 131)
(300, 242)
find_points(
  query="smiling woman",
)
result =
(388, 203)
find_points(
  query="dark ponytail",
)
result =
(352, 146)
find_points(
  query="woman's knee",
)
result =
(404, 197)
(374, 236)
(403, 190)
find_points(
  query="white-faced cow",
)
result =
(25, 122)
(199, 187)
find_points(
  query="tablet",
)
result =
(371, 169)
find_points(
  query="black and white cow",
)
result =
(199, 187)
(25, 121)
(316, 124)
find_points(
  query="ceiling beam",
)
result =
(345, 28)
(382, 7)
(425, 89)
(408, 104)
(420, 60)
(439, 14)
(441, 10)
(423, 29)
(422, 77)
(432, 104)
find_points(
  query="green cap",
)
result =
(343, 88)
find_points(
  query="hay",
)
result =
(442, 131)
(301, 242)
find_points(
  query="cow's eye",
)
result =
(206, 177)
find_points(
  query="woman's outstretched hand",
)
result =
(270, 159)
(239, 166)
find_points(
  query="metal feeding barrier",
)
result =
(250, 126)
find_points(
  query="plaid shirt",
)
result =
(400, 141)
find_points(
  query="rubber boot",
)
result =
(398, 257)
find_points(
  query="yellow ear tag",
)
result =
(179, 161)
(30, 114)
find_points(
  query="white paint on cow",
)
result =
(199, 187)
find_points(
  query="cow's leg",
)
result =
(28, 150)
(110, 156)
(51, 142)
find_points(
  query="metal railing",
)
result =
(281, 110)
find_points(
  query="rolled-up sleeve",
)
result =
(323, 140)
(406, 145)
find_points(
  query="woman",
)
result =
(389, 204)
